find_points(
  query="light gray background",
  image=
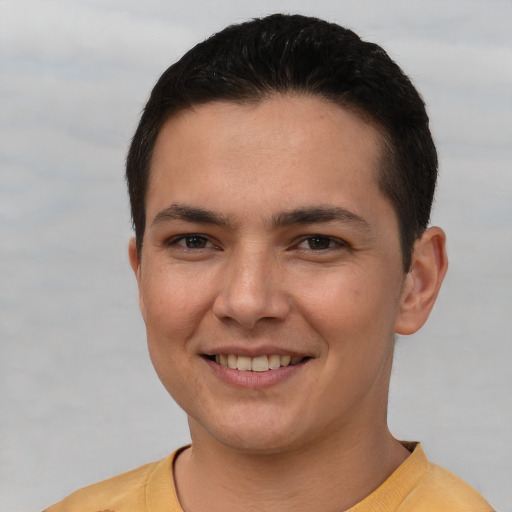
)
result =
(79, 399)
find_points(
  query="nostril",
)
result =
(248, 307)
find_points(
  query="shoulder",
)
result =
(420, 486)
(123, 493)
(440, 490)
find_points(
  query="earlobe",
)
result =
(135, 264)
(423, 281)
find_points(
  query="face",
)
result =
(270, 278)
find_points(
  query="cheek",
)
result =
(352, 306)
(174, 310)
(173, 304)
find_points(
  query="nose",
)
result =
(251, 291)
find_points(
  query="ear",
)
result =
(423, 281)
(136, 267)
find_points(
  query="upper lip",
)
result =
(254, 351)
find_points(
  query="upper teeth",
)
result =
(256, 364)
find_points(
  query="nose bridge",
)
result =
(251, 289)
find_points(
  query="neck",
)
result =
(332, 475)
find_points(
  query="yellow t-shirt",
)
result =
(416, 486)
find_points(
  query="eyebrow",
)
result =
(319, 214)
(306, 215)
(190, 214)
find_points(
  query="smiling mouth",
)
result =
(255, 364)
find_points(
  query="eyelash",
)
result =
(333, 243)
(188, 237)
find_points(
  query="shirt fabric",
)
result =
(416, 485)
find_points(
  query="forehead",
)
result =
(289, 145)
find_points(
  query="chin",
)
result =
(263, 445)
(251, 437)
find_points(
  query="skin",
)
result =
(262, 272)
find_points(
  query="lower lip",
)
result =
(254, 380)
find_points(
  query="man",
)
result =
(281, 180)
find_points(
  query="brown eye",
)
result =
(318, 243)
(193, 242)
